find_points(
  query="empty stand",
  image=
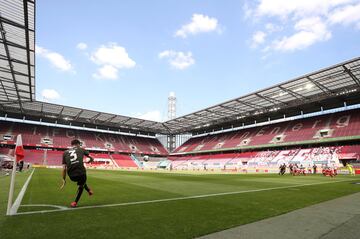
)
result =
(35, 157)
(55, 137)
(124, 161)
(267, 159)
(53, 158)
(341, 126)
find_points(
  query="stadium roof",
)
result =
(337, 83)
(67, 114)
(17, 51)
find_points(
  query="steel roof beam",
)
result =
(110, 119)
(27, 39)
(151, 124)
(271, 100)
(42, 110)
(4, 79)
(320, 86)
(8, 102)
(12, 23)
(94, 118)
(139, 123)
(61, 111)
(78, 115)
(3, 35)
(199, 121)
(13, 44)
(2, 85)
(353, 77)
(10, 95)
(218, 113)
(249, 104)
(12, 71)
(2, 57)
(125, 121)
(293, 93)
(232, 108)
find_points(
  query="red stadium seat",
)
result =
(55, 137)
(302, 131)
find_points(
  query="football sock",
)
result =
(86, 188)
(79, 192)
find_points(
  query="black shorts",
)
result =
(80, 179)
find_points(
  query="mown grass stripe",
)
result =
(177, 198)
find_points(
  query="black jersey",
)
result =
(74, 160)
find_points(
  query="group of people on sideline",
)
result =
(296, 170)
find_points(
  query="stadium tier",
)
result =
(55, 137)
(124, 161)
(127, 151)
(49, 157)
(341, 126)
(269, 159)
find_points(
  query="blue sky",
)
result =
(125, 57)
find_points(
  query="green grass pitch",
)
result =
(181, 217)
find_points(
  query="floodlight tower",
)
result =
(171, 106)
(171, 139)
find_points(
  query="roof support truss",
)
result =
(355, 79)
(320, 86)
(293, 93)
(3, 35)
(271, 100)
(27, 38)
(78, 115)
(249, 104)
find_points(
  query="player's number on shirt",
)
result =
(73, 155)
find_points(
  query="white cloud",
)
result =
(111, 58)
(258, 38)
(106, 72)
(50, 95)
(199, 24)
(346, 15)
(270, 28)
(56, 59)
(154, 115)
(310, 20)
(247, 11)
(309, 31)
(114, 55)
(297, 8)
(178, 59)
(81, 46)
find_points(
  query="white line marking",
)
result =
(44, 205)
(14, 208)
(178, 198)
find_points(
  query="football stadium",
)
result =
(282, 161)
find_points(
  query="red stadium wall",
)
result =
(33, 135)
(339, 126)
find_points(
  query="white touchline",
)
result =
(44, 205)
(175, 199)
(15, 206)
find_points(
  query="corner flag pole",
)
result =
(19, 155)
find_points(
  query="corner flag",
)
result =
(18, 156)
(19, 149)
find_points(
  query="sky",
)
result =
(125, 57)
